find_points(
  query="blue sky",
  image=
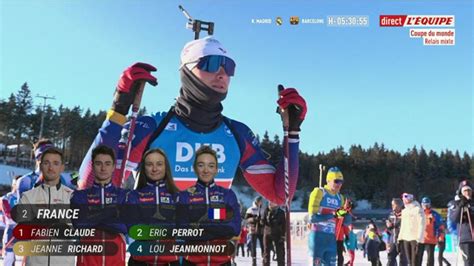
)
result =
(362, 85)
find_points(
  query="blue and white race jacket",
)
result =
(234, 142)
(322, 209)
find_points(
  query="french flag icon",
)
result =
(216, 214)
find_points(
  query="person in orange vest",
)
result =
(430, 237)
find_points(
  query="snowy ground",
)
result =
(7, 172)
(300, 258)
(299, 255)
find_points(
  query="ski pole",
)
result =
(470, 223)
(128, 145)
(4, 248)
(339, 225)
(285, 120)
(321, 169)
(459, 237)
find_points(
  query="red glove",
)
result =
(128, 85)
(139, 71)
(296, 105)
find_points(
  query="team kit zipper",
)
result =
(157, 198)
(102, 201)
(207, 203)
(49, 207)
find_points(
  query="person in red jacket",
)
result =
(342, 231)
(242, 241)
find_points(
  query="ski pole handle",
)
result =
(128, 146)
(138, 97)
(283, 113)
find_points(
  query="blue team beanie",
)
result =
(425, 200)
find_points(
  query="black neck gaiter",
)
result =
(198, 106)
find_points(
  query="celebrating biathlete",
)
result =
(195, 119)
